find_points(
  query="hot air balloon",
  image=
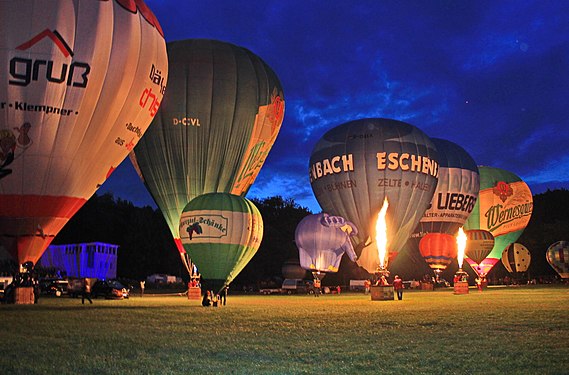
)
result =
(213, 132)
(516, 258)
(221, 232)
(453, 201)
(80, 84)
(558, 257)
(503, 208)
(456, 193)
(356, 165)
(478, 245)
(322, 240)
(438, 250)
(291, 269)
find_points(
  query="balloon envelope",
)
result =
(291, 269)
(558, 257)
(217, 123)
(438, 250)
(322, 240)
(478, 245)
(80, 83)
(503, 208)
(516, 258)
(221, 232)
(456, 193)
(354, 166)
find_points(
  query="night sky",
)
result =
(490, 76)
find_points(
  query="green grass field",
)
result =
(503, 330)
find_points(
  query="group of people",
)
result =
(382, 281)
(215, 300)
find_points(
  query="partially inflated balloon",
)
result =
(356, 165)
(503, 208)
(221, 232)
(220, 118)
(79, 84)
(291, 269)
(322, 240)
(558, 257)
(516, 258)
(438, 250)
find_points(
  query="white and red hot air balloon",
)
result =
(80, 82)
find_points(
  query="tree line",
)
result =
(147, 247)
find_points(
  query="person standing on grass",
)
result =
(86, 292)
(224, 292)
(317, 285)
(142, 283)
(398, 287)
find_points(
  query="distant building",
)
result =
(95, 259)
(159, 278)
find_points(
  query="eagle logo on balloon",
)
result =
(194, 228)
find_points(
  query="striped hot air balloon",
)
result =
(478, 245)
(558, 257)
(438, 250)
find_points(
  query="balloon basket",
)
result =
(24, 295)
(461, 287)
(194, 293)
(382, 293)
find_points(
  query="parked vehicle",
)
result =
(267, 291)
(56, 287)
(110, 289)
(297, 286)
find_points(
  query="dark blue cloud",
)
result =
(490, 76)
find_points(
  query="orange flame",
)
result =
(381, 234)
(461, 244)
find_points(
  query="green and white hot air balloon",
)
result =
(218, 121)
(221, 232)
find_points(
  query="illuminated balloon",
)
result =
(322, 240)
(354, 166)
(478, 245)
(503, 208)
(516, 258)
(218, 122)
(79, 85)
(558, 257)
(456, 192)
(453, 201)
(438, 250)
(221, 232)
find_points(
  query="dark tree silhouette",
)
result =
(146, 245)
